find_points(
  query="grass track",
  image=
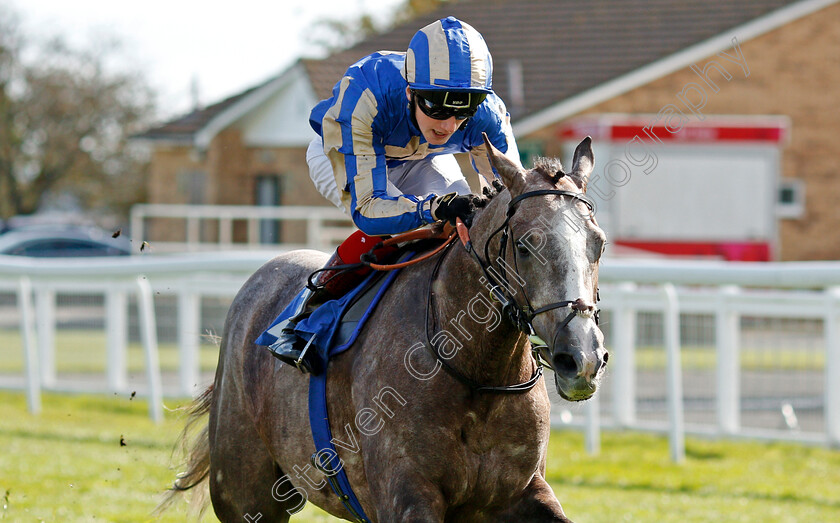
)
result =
(68, 465)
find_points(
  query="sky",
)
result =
(224, 47)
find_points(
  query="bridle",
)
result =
(497, 279)
(523, 316)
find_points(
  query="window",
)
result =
(790, 200)
(191, 186)
(269, 190)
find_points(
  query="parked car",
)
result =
(45, 241)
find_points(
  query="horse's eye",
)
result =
(599, 247)
(522, 250)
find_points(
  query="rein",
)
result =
(400, 238)
(452, 371)
(446, 233)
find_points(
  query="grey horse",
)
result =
(418, 443)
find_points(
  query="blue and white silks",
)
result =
(367, 127)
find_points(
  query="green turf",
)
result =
(755, 359)
(67, 465)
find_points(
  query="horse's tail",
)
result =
(197, 448)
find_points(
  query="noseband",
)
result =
(497, 281)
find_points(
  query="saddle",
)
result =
(336, 322)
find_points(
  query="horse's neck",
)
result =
(493, 351)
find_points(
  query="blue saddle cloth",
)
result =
(335, 325)
(329, 334)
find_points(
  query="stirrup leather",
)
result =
(300, 363)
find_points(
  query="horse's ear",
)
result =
(509, 171)
(583, 163)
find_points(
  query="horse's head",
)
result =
(551, 257)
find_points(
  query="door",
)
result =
(268, 195)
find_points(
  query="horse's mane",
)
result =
(551, 168)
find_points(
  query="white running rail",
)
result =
(325, 227)
(729, 295)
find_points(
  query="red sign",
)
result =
(712, 131)
(729, 251)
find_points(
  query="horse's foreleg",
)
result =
(405, 497)
(537, 504)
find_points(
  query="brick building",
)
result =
(690, 71)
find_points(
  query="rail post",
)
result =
(727, 330)
(45, 327)
(138, 218)
(593, 426)
(193, 232)
(116, 336)
(148, 333)
(832, 366)
(674, 373)
(30, 355)
(189, 320)
(314, 233)
(624, 359)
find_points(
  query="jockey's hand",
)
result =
(451, 206)
(489, 192)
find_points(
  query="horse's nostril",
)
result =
(564, 364)
(581, 306)
(602, 362)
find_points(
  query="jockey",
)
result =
(384, 151)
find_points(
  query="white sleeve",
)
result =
(321, 172)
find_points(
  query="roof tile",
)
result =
(564, 47)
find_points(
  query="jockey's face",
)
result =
(436, 132)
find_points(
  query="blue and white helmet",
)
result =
(449, 55)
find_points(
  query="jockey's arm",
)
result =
(357, 156)
(376, 212)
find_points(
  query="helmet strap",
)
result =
(412, 109)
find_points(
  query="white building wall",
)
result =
(702, 193)
(282, 120)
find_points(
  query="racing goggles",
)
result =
(442, 105)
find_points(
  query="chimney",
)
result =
(195, 99)
(516, 88)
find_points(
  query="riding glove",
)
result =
(451, 206)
